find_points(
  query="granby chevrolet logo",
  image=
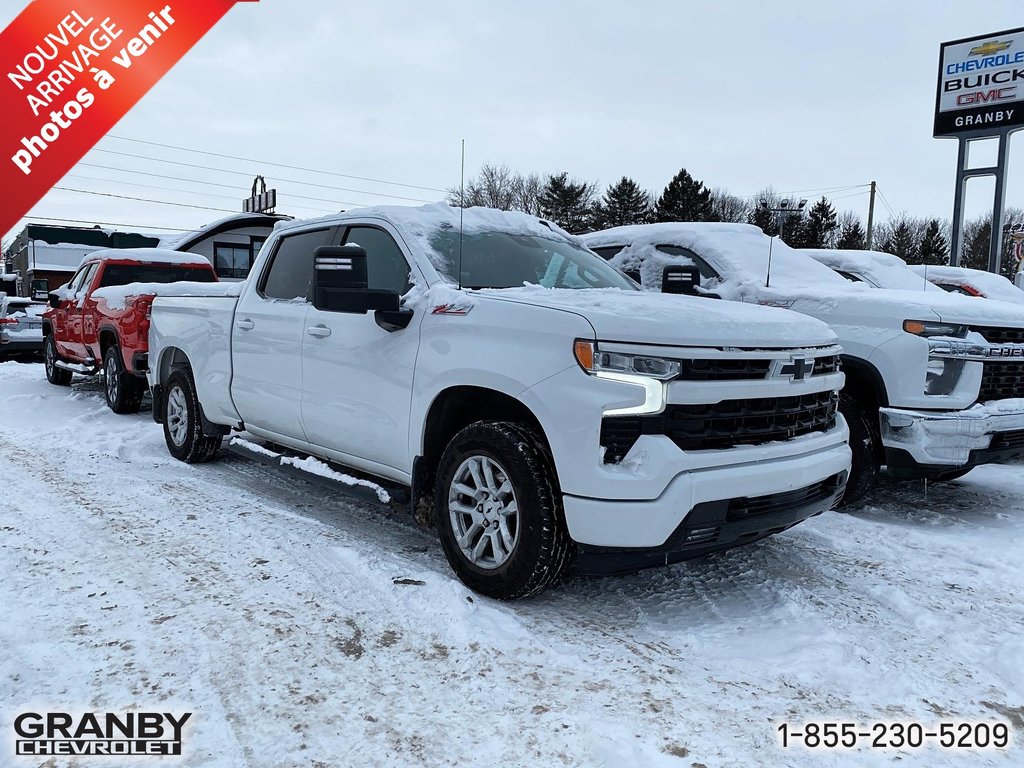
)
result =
(130, 733)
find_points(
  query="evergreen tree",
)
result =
(568, 203)
(933, 249)
(684, 199)
(624, 202)
(977, 238)
(761, 217)
(901, 242)
(820, 227)
(852, 236)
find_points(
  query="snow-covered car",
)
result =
(934, 382)
(874, 269)
(21, 326)
(971, 282)
(486, 366)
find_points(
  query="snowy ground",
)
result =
(271, 611)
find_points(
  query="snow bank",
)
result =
(986, 284)
(147, 255)
(116, 295)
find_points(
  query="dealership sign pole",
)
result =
(980, 95)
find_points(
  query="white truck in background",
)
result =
(544, 410)
(934, 382)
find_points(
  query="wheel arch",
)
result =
(864, 383)
(457, 407)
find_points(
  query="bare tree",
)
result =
(726, 206)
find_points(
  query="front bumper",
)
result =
(646, 524)
(925, 443)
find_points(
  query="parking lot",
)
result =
(302, 629)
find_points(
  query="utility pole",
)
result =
(871, 216)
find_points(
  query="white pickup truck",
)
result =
(546, 410)
(934, 382)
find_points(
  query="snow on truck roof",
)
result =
(150, 255)
(883, 270)
(740, 251)
(987, 284)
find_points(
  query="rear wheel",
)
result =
(59, 376)
(865, 445)
(498, 511)
(124, 391)
(183, 428)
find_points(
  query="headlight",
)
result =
(927, 328)
(594, 361)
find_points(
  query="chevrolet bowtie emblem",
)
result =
(992, 46)
(797, 369)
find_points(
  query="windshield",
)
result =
(122, 274)
(506, 260)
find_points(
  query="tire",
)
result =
(183, 430)
(953, 474)
(59, 376)
(527, 550)
(123, 390)
(865, 443)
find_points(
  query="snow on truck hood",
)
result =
(739, 252)
(654, 318)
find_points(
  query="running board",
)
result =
(326, 474)
(86, 370)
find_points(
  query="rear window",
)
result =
(122, 274)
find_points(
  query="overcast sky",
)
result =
(800, 96)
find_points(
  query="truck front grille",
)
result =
(995, 335)
(1001, 381)
(742, 508)
(727, 424)
(745, 370)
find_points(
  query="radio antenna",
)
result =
(462, 206)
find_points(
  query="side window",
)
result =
(386, 267)
(608, 251)
(76, 282)
(707, 272)
(291, 268)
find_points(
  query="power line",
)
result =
(207, 183)
(888, 207)
(825, 189)
(279, 165)
(185, 191)
(102, 223)
(249, 175)
(144, 200)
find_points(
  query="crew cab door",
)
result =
(267, 336)
(70, 342)
(357, 377)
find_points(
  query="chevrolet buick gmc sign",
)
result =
(981, 84)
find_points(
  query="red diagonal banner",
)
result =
(70, 69)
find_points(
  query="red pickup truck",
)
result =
(99, 320)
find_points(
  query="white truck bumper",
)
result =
(949, 439)
(740, 500)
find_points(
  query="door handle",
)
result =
(320, 331)
(245, 325)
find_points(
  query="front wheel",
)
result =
(183, 428)
(123, 390)
(55, 375)
(498, 511)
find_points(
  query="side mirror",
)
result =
(679, 278)
(633, 274)
(53, 300)
(339, 282)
